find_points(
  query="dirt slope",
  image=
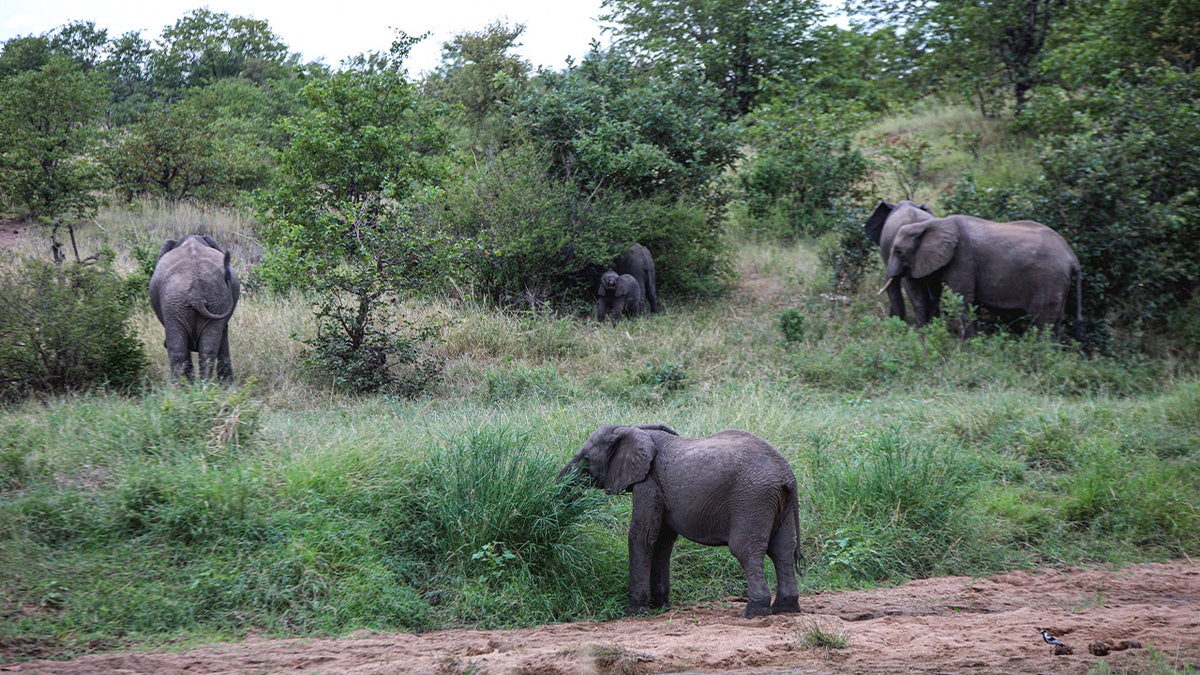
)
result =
(953, 624)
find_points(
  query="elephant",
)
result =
(729, 489)
(618, 295)
(881, 228)
(1015, 267)
(637, 262)
(194, 291)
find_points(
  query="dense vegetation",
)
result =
(414, 356)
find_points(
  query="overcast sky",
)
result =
(336, 29)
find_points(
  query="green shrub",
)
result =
(64, 328)
(791, 324)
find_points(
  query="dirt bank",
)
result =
(952, 624)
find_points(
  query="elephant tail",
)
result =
(1078, 302)
(201, 308)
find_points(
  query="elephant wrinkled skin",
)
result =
(617, 296)
(729, 489)
(194, 291)
(1018, 267)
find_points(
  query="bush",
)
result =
(805, 167)
(64, 328)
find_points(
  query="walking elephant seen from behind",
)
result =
(729, 489)
(194, 291)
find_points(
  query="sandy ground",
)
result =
(945, 625)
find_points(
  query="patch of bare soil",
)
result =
(952, 624)
(11, 233)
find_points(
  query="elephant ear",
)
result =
(936, 249)
(874, 225)
(629, 460)
(167, 246)
(658, 427)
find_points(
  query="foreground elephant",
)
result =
(881, 228)
(618, 295)
(193, 291)
(1014, 267)
(729, 489)
(639, 264)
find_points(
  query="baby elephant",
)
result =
(618, 295)
(729, 489)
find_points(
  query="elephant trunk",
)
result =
(568, 469)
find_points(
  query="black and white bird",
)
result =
(1051, 640)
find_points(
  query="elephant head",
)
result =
(881, 228)
(616, 457)
(919, 249)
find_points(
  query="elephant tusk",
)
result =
(885, 286)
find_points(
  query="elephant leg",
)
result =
(179, 352)
(618, 309)
(224, 362)
(644, 530)
(782, 551)
(750, 553)
(651, 293)
(601, 306)
(923, 303)
(209, 350)
(660, 569)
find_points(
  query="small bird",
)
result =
(1051, 640)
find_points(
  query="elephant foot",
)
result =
(641, 610)
(786, 605)
(753, 609)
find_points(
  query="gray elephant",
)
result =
(637, 262)
(1018, 267)
(617, 296)
(729, 489)
(194, 291)
(881, 228)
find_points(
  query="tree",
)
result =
(205, 46)
(361, 161)
(48, 139)
(979, 47)
(479, 75)
(737, 44)
(209, 145)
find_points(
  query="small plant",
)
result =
(813, 634)
(613, 658)
(494, 558)
(791, 324)
(668, 377)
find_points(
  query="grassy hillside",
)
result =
(281, 507)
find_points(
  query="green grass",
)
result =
(280, 507)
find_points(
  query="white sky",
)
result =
(337, 29)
